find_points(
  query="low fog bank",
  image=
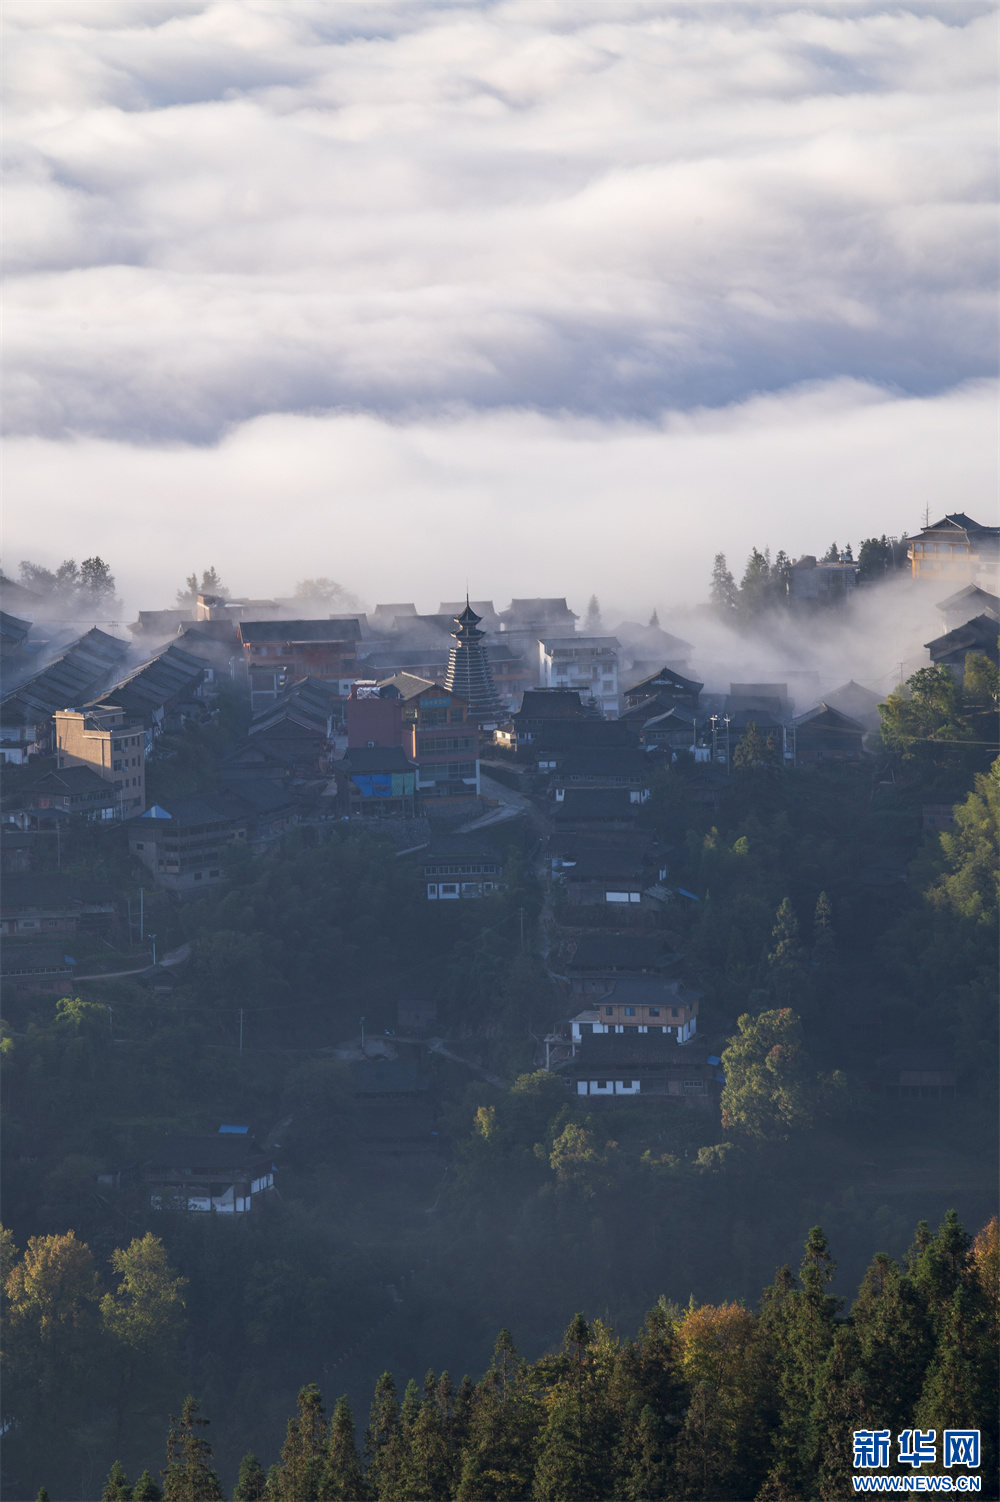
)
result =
(875, 638)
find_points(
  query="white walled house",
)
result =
(586, 663)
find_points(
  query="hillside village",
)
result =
(391, 891)
(441, 729)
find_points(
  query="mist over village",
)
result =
(500, 649)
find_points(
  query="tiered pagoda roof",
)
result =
(469, 672)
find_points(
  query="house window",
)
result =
(139, 845)
(609, 1011)
(654, 1011)
(630, 1011)
(198, 875)
(215, 873)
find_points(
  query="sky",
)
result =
(545, 296)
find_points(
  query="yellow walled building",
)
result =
(111, 744)
(954, 549)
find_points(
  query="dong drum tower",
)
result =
(469, 671)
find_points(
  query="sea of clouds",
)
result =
(566, 294)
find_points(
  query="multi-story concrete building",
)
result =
(276, 653)
(439, 736)
(112, 744)
(586, 663)
(954, 549)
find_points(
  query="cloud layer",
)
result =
(222, 209)
(512, 502)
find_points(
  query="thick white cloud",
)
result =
(478, 253)
(222, 209)
(515, 502)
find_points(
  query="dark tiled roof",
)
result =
(582, 730)
(666, 679)
(387, 1077)
(158, 683)
(549, 704)
(605, 1049)
(464, 846)
(581, 804)
(650, 990)
(345, 629)
(979, 634)
(605, 761)
(829, 718)
(40, 891)
(72, 780)
(67, 682)
(375, 759)
(222, 1152)
(599, 951)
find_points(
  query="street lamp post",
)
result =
(362, 1035)
(153, 937)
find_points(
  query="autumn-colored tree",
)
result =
(768, 1090)
(52, 1340)
(144, 1316)
(578, 1163)
(723, 1447)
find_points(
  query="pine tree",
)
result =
(722, 593)
(426, 1465)
(499, 1456)
(960, 1388)
(251, 1483)
(117, 1488)
(189, 1476)
(343, 1479)
(43, 1495)
(751, 759)
(823, 939)
(846, 1399)
(146, 1489)
(577, 1444)
(785, 956)
(800, 1326)
(756, 585)
(382, 1438)
(832, 554)
(303, 1457)
(593, 625)
(654, 620)
(894, 1340)
(646, 1467)
(938, 1263)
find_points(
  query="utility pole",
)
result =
(241, 1032)
(153, 937)
(111, 1022)
(521, 911)
(142, 914)
(128, 904)
(362, 1035)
